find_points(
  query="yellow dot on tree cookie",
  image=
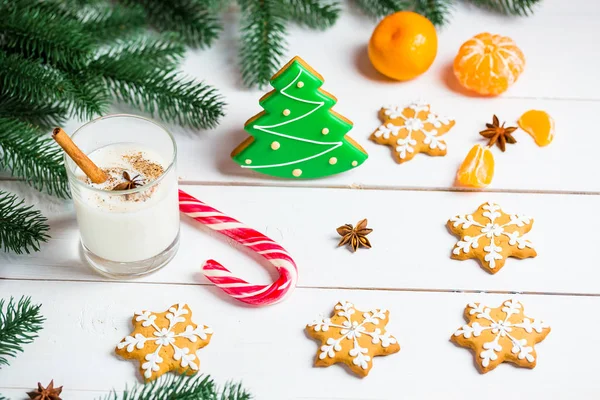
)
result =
(333, 161)
(496, 335)
(324, 131)
(354, 163)
(286, 112)
(300, 84)
(275, 145)
(352, 337)
(491, 236)
(248, 161)
(164, 342)
(297, 172)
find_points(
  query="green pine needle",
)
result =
(263, 43)
(509, 7)
(22, 229)
(437, 11)
(35, 159)
(89, 96)
(143, 76)
(53, 36)
(105, 23)
(381, 8)
(3, 398)
(160, 52)
(193, 20)
(314, 14)
(19, 324)
(43, 114)
(30, 80)
(181, 387)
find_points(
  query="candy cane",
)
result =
(260, 295)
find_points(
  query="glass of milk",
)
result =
(129, 225)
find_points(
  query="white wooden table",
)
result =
(408, 271)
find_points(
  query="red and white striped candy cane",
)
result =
(259, 295)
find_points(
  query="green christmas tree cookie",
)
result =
(298, 135)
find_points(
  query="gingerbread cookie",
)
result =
(500, 334)
(163, 342)
(491, 236)
(352, 337)
(298, 136)
(412, 129)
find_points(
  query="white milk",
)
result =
(129, 228)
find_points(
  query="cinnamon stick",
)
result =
(95, 174)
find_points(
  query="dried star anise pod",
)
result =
(498, 134)
(46, 393)
(355, 237)
(130, 183)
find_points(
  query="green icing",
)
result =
(301, 144)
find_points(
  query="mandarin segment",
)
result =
(477, 169)
(539, 124)
(488, 64)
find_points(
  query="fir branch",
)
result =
(193, 20)
(53, 36)
(167, 95)
(182, 387)
(263, 43)
(381, 8)
(22, 229)
(2, 397)
(89, 96)
(509, 7)
(105, 22)
(160, 52)
(437, 11)
(312, 13)
(37, 160)
(19, 324)
(143, 76)
(30, 80)
(43, 114)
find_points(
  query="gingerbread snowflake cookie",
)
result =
(163, 342)
(491, 236)
(352, 337)
(500, 334)
(412, 129)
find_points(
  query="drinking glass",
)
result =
(127, 233)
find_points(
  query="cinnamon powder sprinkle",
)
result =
(151, 171)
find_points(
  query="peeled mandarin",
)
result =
(539, 125)
(477, 170)
(403, 45)
(488, 64)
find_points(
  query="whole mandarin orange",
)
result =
(403, 45)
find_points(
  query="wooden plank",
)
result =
(268, 351)
(15, 394)
(411, 246)
(205, 158)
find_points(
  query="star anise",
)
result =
(130, 183)
(46, 393)
(498, 134)
(355, 237)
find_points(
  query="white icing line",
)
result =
(265, 128)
